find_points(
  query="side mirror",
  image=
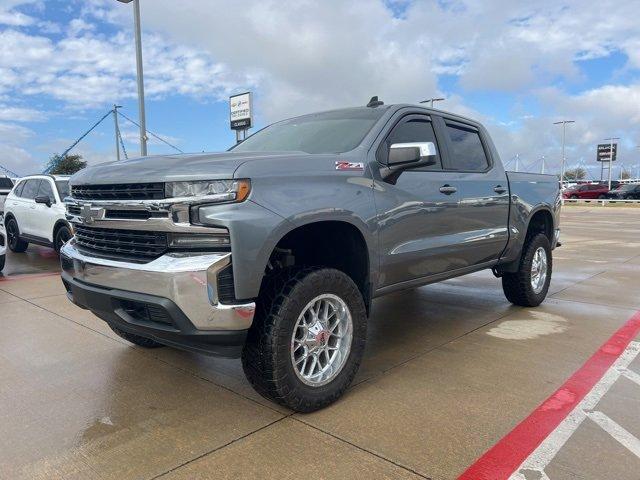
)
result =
(412, 154)
(407, 155)
(43, 199)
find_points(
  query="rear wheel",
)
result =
(575, 197)
(602, 196)
(62, 236)
(528, 286)
(13, 237)
(307, 340)
(136, 339)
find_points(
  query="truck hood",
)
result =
(171, 168)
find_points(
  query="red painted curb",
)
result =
(27, 276)
(507, 455)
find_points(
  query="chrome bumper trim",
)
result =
(187, 279)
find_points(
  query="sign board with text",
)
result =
(240, 111)
(604, 152)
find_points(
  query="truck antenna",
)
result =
(374, 102)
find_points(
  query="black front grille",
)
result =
(125, 191)
(74, 210)
(226, 289)
(129, 244)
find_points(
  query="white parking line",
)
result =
(549, 448)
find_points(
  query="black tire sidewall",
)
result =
(290, 389)
(57, 239)
(536, 242)
(14, 245)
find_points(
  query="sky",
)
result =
(516, 66)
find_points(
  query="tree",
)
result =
(574, 174)
(67, 165)
(625, 174)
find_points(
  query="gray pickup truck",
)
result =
(274, 250)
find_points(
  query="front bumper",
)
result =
(173, 299)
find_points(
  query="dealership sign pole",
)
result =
(241, 114)
(612, 154)
(607, 152)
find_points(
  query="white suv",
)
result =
(3, 242)
(35, 213)
(6, 184)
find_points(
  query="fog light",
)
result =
(197, 240)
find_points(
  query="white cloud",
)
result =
(305, 55)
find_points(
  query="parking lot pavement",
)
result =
(450, 370)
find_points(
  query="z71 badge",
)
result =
(349, 166)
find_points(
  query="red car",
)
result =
(591, 190)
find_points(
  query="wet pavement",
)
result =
(449, 370)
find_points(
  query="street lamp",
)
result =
(564, 128)
(141, 114)
(431, 100)
(611, 157)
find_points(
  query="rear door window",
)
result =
(467, 151)
(17, 191)
(30, 190)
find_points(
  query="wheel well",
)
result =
(541, 222)
(334, 244)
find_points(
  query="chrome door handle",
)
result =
(499, 189)
(448, 189)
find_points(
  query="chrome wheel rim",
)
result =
(321, 340)
(539, 270)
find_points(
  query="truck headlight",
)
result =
(214, 190)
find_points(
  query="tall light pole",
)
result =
(141, 114)
(564, 134)
(611, 156)
(431, 100)
(115, 121)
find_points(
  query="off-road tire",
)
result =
(266, 357)
(16, 245)
(136, 339)
(517, 286)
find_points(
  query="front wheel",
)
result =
(2, 257)
(62, 236)
(602, 196)
(307, 340)
(528, 286)
(13, 237)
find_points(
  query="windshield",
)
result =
(6, 183)
(63, 188)
(328, 132)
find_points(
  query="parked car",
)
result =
(274, 250)
(3, 242)
(587, 191)
(627, 191)
(35, 213)
(6, 184)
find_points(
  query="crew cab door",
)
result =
(43, 218)
(25, 205)
(417, 211)
(483, 212)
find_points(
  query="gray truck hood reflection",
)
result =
(168, 168)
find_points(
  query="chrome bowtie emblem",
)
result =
(88, 214)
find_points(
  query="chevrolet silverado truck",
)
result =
(274, 250)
